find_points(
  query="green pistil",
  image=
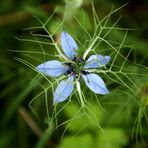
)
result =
(76, 66)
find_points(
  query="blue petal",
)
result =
(63, 90)
(95, 83)
(96, 61)
(69, 45)
(52, 68)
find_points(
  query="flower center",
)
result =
(76, 68)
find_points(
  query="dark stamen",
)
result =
(78, 60)
(69, 64)
(75, 59)
(85, 72)
(81, 60)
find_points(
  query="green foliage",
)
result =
(78, 141)
(112, 138)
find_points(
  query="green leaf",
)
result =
(83, 141)
(112, 138)
(89, 117)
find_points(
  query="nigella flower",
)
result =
(75, 68)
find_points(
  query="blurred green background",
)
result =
(20, 128)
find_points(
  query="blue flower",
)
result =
(74, 68)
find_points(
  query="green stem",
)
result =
(80, 94)
(90, 47)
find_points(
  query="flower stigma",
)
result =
(76, 67)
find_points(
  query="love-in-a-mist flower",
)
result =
(74, 69)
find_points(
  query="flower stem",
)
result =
(80, 94)
(89, 48)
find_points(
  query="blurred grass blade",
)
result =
(19, 99)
